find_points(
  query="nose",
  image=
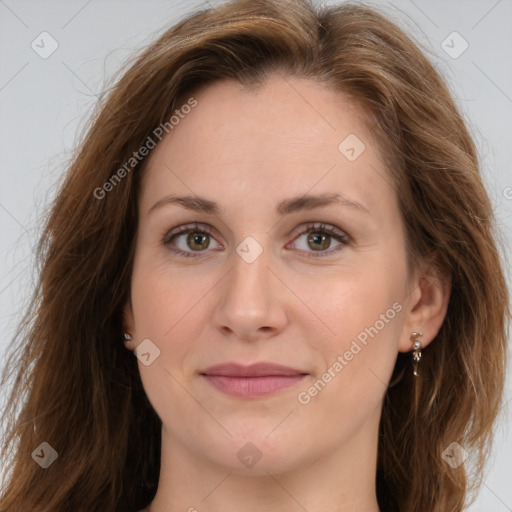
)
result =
(252, 300)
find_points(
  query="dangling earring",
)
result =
(127, 338)
(416, 355)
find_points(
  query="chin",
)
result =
(254, 454)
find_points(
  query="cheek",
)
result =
(362, 315)
(163, 295)
(357, 360)
(365, 340)
(349, 301)
(164, 313)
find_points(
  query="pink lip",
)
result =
(254, 380)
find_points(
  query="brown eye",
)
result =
(321, 241)
(189, 239)
(198, 241)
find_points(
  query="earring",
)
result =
(127, 337)
(416, 355)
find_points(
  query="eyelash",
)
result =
(204, 229)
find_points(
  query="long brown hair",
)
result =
(77, 387)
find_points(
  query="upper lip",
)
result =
(253, 370)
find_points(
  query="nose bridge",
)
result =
(250, 300)
(249, 280)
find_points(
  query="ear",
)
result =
(426, 308)
(129, 324)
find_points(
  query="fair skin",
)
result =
(248, 151)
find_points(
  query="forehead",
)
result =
(289, 135)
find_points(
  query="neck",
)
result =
(340, 480)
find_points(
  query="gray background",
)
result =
(44, 104)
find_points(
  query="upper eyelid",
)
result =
(299, 231)
(187, 228)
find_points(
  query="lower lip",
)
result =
(253, 386)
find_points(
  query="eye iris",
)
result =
(196, 238)
(319, 238)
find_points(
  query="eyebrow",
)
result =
(286, 207)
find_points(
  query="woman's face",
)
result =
(258, 279)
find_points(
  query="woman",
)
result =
(270, 281)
